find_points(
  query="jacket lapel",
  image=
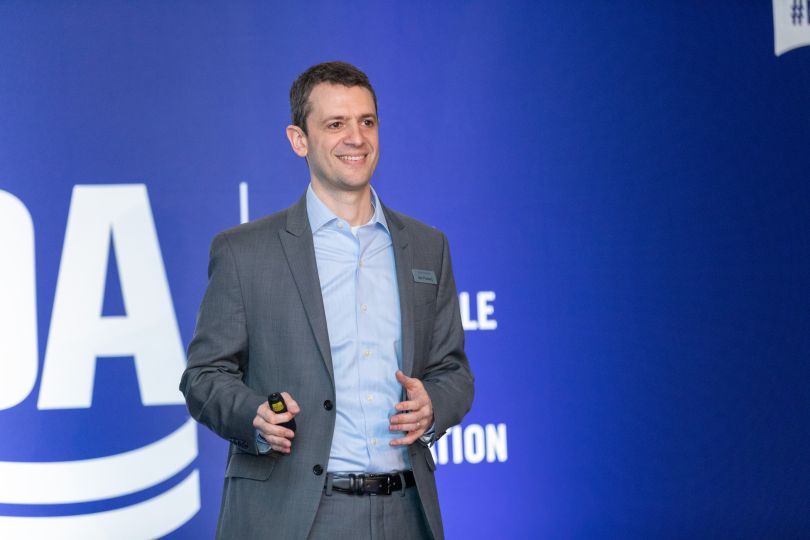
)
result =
(300, 252)
(403, 255)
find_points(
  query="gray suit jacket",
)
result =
(261, 328)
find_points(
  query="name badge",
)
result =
(424, 276)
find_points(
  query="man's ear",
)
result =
(298, 140)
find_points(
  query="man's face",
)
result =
(341, 146)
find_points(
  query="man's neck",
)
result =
(352, 206)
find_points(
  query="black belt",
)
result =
(370, 484)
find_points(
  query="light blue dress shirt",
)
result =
(361, 299)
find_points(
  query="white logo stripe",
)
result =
(98, 478)
(791, 25)
(153, 518)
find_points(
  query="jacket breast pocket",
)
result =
(250, 466)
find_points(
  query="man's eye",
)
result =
(335, 125)
(368, 122)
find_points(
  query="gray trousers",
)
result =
(342, 516)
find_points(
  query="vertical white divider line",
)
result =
(243, 203)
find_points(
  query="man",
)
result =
(350, 311)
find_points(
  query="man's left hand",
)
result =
(416, 414)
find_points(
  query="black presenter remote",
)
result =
(278, 406)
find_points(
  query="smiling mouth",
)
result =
(352, 159)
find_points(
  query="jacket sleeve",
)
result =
(212, 383)
(447, 377)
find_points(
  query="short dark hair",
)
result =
(326, 72)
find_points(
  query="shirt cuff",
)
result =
(262, 445)
(428, 436)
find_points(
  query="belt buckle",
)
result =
(387, 484)
(378, 484)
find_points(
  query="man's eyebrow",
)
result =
(344, 118)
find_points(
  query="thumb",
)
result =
(403, 379)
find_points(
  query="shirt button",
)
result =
(373, 441)
(370, 397)
(328, 405)
(318, 470)
(364, 307)
(367, 353)
(360, 264)
(340, 224)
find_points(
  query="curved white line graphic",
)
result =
(152, 518)
(99, 478)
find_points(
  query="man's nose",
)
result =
(353, 135)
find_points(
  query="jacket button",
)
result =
(328, 405)
(318, 470)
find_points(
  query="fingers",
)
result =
(412, 423)
(272, 430)
(413, 405)
(278, 437)
(292, 405)
(270, 417)
(268, 429)
(410, 438)
(414, 417)
(407, 428)
(279, 444)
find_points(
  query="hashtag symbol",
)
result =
(796, 12)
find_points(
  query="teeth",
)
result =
(351, 158)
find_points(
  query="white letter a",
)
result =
(79, 333)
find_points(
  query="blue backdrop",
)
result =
(624, 186)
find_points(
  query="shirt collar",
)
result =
(319, 214)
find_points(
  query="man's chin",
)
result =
(354, 182)
(347, 185)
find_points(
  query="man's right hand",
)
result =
(266, 423)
